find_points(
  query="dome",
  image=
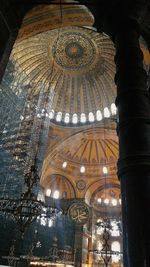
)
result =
(106, 197)
(42, 18)
(75, 66)
(83, 156)
(59, 186)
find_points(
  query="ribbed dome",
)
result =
(90, 147)
(42, 18)
(84, 154)
(75, 65)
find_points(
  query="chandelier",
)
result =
(28, 208)
(106, 252)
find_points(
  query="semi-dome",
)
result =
(58, 186)
(88, 154)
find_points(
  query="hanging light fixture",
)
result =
(106, 253)
(109, 225)
(27, 208)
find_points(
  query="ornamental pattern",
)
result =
(74, 65)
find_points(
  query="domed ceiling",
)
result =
(84, 158)
(58, 53)
(75, 66)
(106, 198)
(42, 18)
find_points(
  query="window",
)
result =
(114, 201)
(106, 113)
(64, 165)
(59, 116)
(51, 114)
(98, 115)
(99, 200)
(74, 118)
(113, 109)
(91, 117)
(56, 194)
(115, 228)
(82, 169)
(106, 201)
(67, 118)
(83, 118)
(115, 246)
(48, 192)
(105, 170)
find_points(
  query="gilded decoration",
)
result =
(79, 212)
(75, 65)
(81, 185)
(91, 148)
(75, 52)
(43, 18)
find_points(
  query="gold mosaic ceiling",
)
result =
(43, 18)
(91, 148)
(57, 51)
(75, 65)
(77, 161)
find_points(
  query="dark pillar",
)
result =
(78, 245)
(133, 105)
(11, 15)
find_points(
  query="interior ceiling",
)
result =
(92, 148)
(59, 54)
(42, 18)
(57, 51)
(75, 65)
(110, 193)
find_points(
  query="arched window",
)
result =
(48, 192)
(64, 165)
(114, 202)
(82, 169)
(98, 115)
(115, 246)
(67, 118)
(105, 170)
(91, 117)
(106, 112)
(83, 118)
(51, 114)
(59, 116)
(56, 194)
(99, 200)
(74, 118)
(106, 201)
(50, 223)
(113, 109)
(114, 228)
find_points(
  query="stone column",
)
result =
(133, 129)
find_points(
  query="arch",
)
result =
(56, 182)
(100, 186)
